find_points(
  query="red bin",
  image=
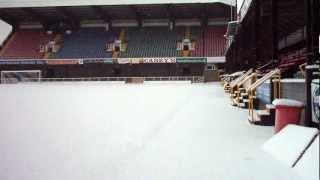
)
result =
(288, 111)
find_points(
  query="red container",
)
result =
(287, 112)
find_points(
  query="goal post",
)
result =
(11, 77)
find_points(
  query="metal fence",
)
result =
(193, 79)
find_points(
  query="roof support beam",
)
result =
(274, 30)
(308, 110)
(69, 17)
(138, 15)
(316, 28)
(257, 26)
(102, 14)
(35, 15)
(204, 16)
(170, 16)
(311, 16)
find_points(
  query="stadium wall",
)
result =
(112, 70)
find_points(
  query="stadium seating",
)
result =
(152, 42)
(197, 37)
(25, 44)
(288, 61)
(210, 41)
(91, 43)
(86, 43)
(292, 59)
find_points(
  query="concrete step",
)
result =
(270, 106)
(245, 100)
(261, 117)
(244, 94)
(233, 103)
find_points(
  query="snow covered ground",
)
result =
(308, 165)
(96, 130)
(289, 144)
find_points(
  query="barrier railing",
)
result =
(193, 79)
(150, 60)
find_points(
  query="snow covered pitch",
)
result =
(154, 131)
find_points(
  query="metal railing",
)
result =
(193, 79)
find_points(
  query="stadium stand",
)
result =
(86, 43)
(292, 59)
(211, 43)
(139, 42)
(152, 42)
(25, 44)
(289, 62)
(196, 35)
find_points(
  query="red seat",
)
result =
(25, 44)
(213, 43)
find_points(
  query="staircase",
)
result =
(115, 54)
(267, 116)
(264, 117)
(241, 98)
(187, 35)
(58, 40)
(185, 53)
(47, 55)
(122, 37)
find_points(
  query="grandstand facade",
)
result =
(280, 36)
(116, 40)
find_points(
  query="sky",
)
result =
(239, 4)
(5, 30)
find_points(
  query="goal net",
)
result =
(11, 77)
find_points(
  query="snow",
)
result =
(97, 130)
(308, 166)
(288, 102)
(316, 81)
(289, 144)
(291, 80)
(5, 31)
(239, 73)
(166, 82)
(270, 106)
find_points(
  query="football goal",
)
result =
(11, 77)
